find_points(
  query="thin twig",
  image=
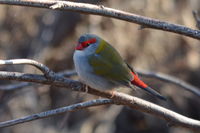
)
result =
(197, 18)
(170, 79)
(67, 73)
(120, 98)
(47, 72)
(109, 12)
(57, 111)
(14, 86)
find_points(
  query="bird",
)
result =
(100, 66)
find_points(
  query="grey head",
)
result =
(88, 43)
(86, 37)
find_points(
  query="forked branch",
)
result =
(50, 74)
(118, 98)
(47, 72)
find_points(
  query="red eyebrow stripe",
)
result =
(85, 43)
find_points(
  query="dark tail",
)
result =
(136, 81)
(154, 93)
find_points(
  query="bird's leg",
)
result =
(86, 89)
(112, 93)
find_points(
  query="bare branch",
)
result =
(47, 72)
(170, 79)
(37, 78)
(119, 98)
(14, 86)
(149, 74)
(109, 12)
(173, 118)
(156, 75)
(59, 80)
(57, 111)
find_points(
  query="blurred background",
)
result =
(50, 37)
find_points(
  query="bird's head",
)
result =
(87, 41)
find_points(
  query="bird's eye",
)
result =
(88, 42)
(85, 42)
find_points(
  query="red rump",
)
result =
(136, 81)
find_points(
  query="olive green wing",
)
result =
(107, 63)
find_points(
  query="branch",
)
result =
(170, 79)
(149, 74)
(47, 72)
(67, 73)
(57, 111)
(108, 12)
(14, 86)
(120, 98)
(156, 75)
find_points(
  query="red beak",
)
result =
(79, 47)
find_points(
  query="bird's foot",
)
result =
(112, 93)
(86, 89)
